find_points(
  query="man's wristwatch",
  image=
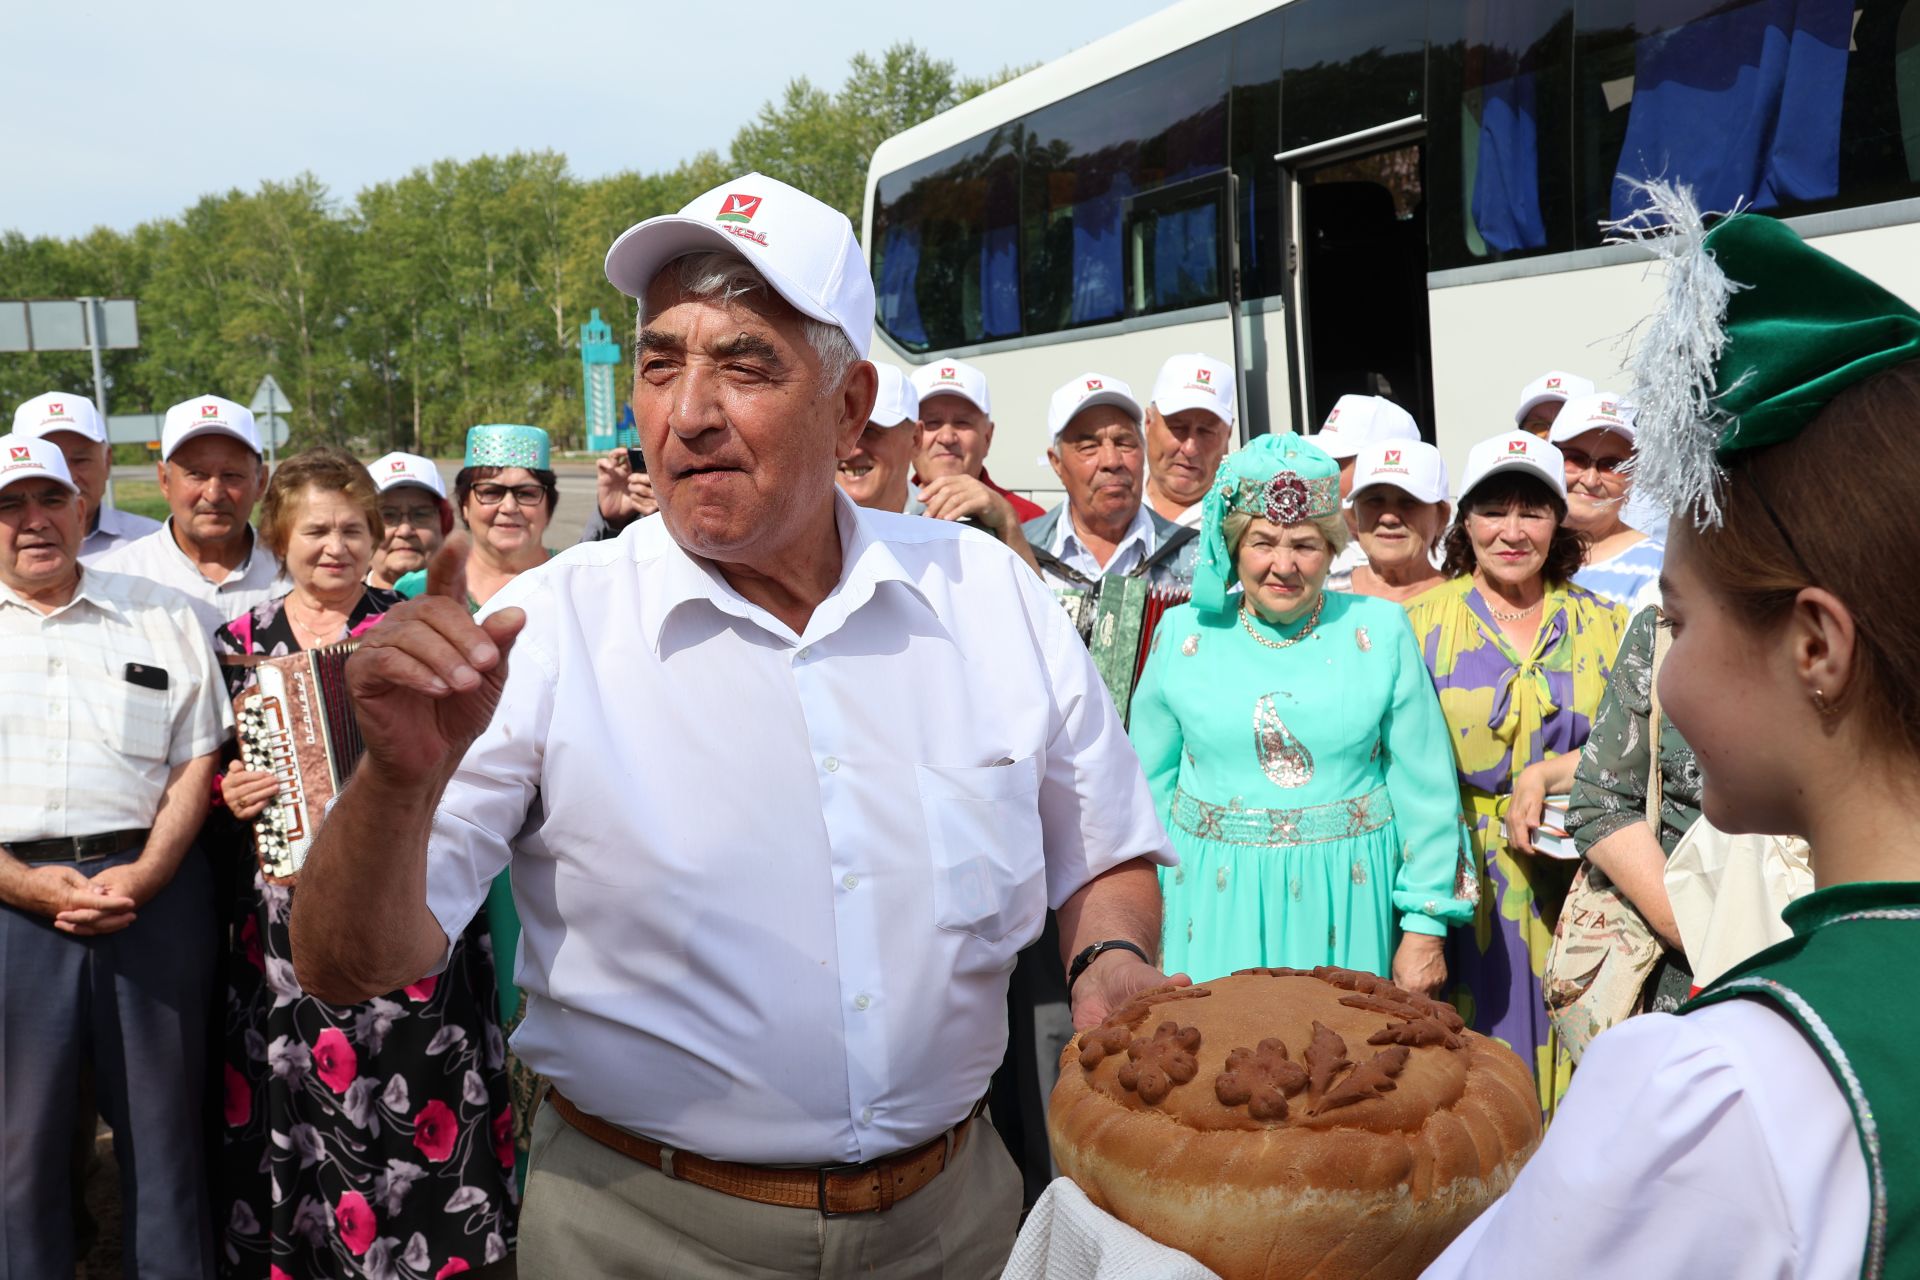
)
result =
(1089, 954)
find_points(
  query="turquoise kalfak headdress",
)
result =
(1283, 478)
(501, 444)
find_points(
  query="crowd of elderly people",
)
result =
(1358, 740)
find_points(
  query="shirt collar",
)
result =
(240, 571)
(1066, 540)
(92, 589)
(866, 561)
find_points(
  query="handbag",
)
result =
(1728, 892)
(1603, 950)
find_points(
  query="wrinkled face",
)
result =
(1596, 483)
(1282, 567)
(211, 484)
(877, 473)
(1510, 543)
(40, 527)
(329, 543)
(954, 437)
(1539, 419)
(743, 437)
(1184, 450)
(1100, 461)
(1728, 690)
(88, 464)
(411, 515)
(1394, 527)
(508, 513)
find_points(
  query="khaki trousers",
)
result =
(592, 1212)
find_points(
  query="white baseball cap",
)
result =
(392, 470)
(805, 249)
(57, 411)
(1196, 382)
(207, 415)
(1554, 384)
(1358, 421)
(24, 457)
(1514, 451)
(1601, 411)
(1085, 392)
(898, 403)
(1412, 466)
(953, 378)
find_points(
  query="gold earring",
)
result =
(1821, 704)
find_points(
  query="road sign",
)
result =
(268, 398)
(68, 324)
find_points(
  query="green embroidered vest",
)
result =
(1851, 947)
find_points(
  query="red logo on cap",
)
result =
(1093, 384)
(1553, 384)
(1393, 458)
(20, 453)
(56, 409)
(946, 371)
(738, 208)
(1516, 446)
(1203, 375)
(1332, 418)
(1607, 407)
(399, 465)
(209, 410)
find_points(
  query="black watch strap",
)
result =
(1089, 954)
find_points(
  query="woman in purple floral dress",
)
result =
(360, 1140)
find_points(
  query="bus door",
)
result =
(1357, 249)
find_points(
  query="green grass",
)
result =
(141, 497)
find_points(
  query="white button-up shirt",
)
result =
(158, 557)
(114, 528)
(1134, 547)
(771, 885)
(83, 749)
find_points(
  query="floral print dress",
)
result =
(369, 1140)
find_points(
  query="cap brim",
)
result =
(194, 432)
(1392, 482)
(1555, 437)
(1335, 446)
(404, 482)
(637, 256)
(1531, 468)
(1183, 400)
(35, 473)
(957, 394)
(1520, 414)
(1098, 398)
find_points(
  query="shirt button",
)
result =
(862, 1002)
(831, 764)
(850, 880)
(54, 665)
(803, 652)
(866, 1115)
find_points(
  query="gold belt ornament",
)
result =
(1283, 828)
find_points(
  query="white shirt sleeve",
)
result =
(1715, 1144)
(205, 717)
(485, 805)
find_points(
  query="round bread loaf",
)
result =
(1285, 1123)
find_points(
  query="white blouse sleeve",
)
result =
(1711, 1145)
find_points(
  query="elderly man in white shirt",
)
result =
(211, 473)
(111, 715)
(784, 784)
(76, 428)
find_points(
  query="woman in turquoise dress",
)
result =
(1295, 748)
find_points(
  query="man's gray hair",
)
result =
(721, 277)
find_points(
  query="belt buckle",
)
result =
(826, 1171)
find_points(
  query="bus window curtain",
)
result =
(899, 277)
(1506, 182)
(1098, 276)
(1186, 256)
(999, 284)
(1743, 104)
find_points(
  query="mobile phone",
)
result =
(636, 460)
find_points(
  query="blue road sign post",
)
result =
(599, 357)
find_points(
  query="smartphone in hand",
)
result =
(636, 460)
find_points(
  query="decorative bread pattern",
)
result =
(1286, 1123)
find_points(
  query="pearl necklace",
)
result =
(1313, 620)
(1504, 616)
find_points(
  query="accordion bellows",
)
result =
(296, 722)
(1284, 1123)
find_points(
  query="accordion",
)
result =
(1117, 618)
(296, 722)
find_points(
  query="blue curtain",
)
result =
(999, 284)
(898, 304)
(1099, 280)
(1186, 254)
(1506, 185)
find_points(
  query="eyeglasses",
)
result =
(1578, 461)
(415, 516)
(526, 495)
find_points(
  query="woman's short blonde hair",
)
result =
(327, 469)
(1331, 527)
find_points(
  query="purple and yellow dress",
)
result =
(1504, 712)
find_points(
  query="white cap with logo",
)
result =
(394, 469)
(25, 457)
(56, 411)
(1601, 411)
(1514, 451)
(1554, 384)
(1412, 466)
(1196, 382)
(805, 249)
(953, 378)
(1358, 421)
(1085, 392)
(898, 404)
(207, 415)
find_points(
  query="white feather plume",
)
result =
(1678, 423)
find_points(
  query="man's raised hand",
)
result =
(426, 680)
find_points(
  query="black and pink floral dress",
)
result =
(369, 1140)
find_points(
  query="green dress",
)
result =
(1308, 790)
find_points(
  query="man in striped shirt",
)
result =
(111, 715)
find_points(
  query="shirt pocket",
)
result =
(983, 832)
(135, 721)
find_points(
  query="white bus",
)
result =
(1397, 197)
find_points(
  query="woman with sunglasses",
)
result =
(1594, 434)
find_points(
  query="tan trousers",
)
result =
(592, 1212)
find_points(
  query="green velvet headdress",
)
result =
(1757, 332)
(1283, 478)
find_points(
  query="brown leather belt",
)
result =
(78, 848)
(833, 1189)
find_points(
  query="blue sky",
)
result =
(121, 111)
